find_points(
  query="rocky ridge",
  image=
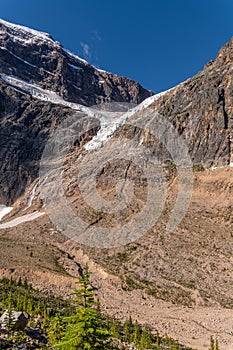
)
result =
(37, 58)
(201, 111)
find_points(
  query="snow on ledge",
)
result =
(76, 57)
(4, 210)
(21, 219)
(33, 32)
(42, 94)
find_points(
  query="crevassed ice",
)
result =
(109, 122)
(114, 122)
(47, 95)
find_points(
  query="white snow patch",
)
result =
(76, 57)
(31, 196)
(75, 67)
(76, 87)
(32, 32)
(147, 102)
(4, 210)
(48, 95)
(110, 122)
(19, 58)
(22, 219)
(218, 167)
(103, 71)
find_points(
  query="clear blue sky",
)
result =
(158, 43)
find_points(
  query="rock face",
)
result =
(20, 319)
(35, 57)
(24, 127)
(201, 110)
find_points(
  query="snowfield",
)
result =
(4, 210)
(21, 219)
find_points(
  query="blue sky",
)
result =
(157, 43)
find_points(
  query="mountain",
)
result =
(180, 282)
(33, 65)
(200, 109)
(35, 57)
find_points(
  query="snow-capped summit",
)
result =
(23, 33)
(36, 58)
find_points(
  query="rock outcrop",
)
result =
(201, 110)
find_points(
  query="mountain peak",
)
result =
(226, 52)
(22, 31)
(36, 58)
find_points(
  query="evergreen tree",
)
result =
(212, 345)
(10, 321)
(85, 295)
(19, 303)
(128, 329)
(158, 341)
(136, 335)
(115, 329)
(56, 329)
(9, 301)
(146, 339)
(84, 330)
(19, 283)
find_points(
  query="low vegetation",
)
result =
(74, 324)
